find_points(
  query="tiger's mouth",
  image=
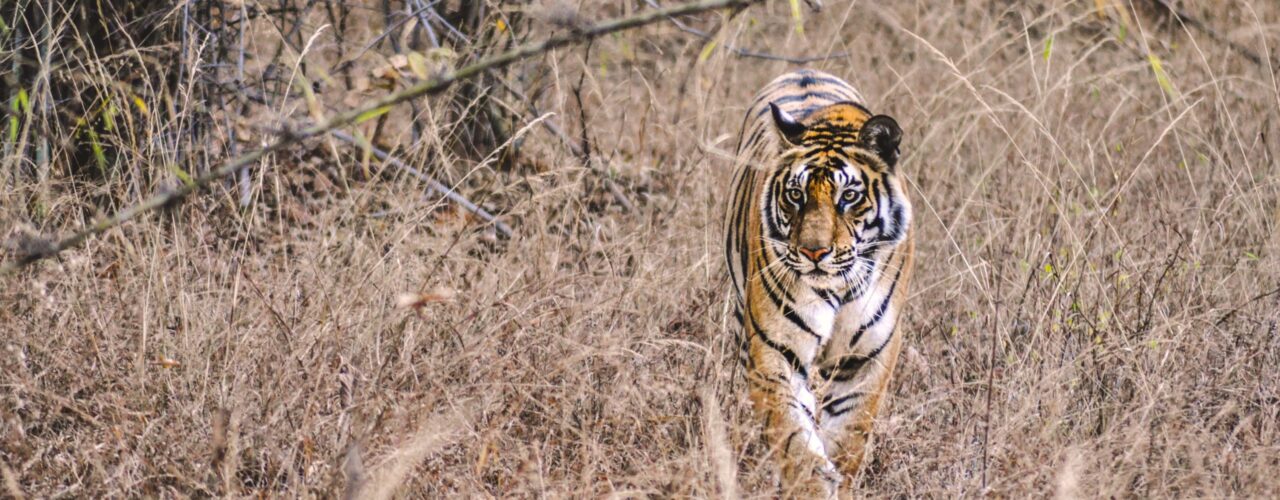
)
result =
(827, 268)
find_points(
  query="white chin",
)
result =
(822, 280)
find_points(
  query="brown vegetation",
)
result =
(1094, 310)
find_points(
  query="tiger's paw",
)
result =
(822, 480)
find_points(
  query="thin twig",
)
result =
(245, 180)
(451, 31)
(1237, 309)
(1186, 20)
(422, 20)
(431, 183)
(550, 124)
(590, 161)
(741, 52)
(378, 106)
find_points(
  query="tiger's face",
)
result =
(834, 202)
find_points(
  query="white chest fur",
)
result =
(863, 325)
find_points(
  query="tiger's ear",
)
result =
(790, 129)
(881, 135)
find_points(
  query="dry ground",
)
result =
(1094, 311)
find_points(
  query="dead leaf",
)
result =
(417, 301)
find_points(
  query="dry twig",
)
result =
(1187, 20)
(435, 185)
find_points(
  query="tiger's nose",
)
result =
(815, 254)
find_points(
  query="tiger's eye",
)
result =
(850, 196)
(795, 195)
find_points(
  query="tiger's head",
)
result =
(834, 203)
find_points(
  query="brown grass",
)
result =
(1094, 310)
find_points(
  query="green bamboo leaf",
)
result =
(1048, 47)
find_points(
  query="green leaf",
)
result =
(373, 113)
(1251, 255)
(1048, 47)
(98, 154)
(418, 65)
(706, 51)
(1162, 77)
(24, 101)
(13, 119)
(182, 175)
(797, 16)
(109, 114)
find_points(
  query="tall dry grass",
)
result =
(1094, 310)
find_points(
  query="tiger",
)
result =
(819, 249)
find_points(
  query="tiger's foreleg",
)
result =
(780, 394)
(849, 405)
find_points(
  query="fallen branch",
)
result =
(379, 106)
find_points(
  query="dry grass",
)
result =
(1094, 311)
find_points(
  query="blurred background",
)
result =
(1094, 310)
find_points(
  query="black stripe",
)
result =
(849, 366)
(896, 228)
(807, 79)
(884, 306)
(828, 296)
(877, 350)
(795, 403)
(844, 370)
(795, 319)
(855, 293)
(833, 86)
(787, 354)
(781, 298)
(828, 404)
(788, 99)
(876, 223)
(755, 136)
